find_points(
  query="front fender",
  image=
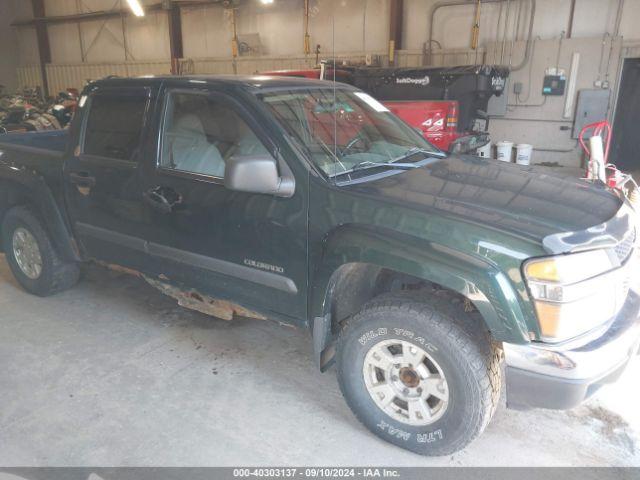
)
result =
(32, 186)
(489, 289)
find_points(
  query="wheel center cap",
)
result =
(409, 377)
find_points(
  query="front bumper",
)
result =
(561, 377)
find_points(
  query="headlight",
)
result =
(575, 293)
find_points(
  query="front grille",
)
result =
(624, 248)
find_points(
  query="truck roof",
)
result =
(250, 82)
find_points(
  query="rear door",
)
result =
(103, 186)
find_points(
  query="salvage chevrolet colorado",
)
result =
(429, 280)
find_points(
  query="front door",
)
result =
(243, 247)
(103, 177)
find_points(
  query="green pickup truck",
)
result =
(429, 280)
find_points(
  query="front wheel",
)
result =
(419, 371)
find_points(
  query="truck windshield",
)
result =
(343, 130)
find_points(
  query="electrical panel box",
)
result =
(497, 106)
(554, 84)
(593, 106)
(517, 88)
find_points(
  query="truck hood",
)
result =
(534, 202)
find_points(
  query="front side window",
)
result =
(201, 133)
(343, 130)
(114, 126)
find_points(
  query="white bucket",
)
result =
(504, 151)
(523, 153)
(484, 152)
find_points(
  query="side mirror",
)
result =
(257, 174)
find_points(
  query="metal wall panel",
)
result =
(62, 76)
(251, 65)
(29, 76)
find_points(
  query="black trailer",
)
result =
(472, 86)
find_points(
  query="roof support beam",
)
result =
(395, 28)
(175, 37)
(44, 49)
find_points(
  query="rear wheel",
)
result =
(31, 256)
(419, 371)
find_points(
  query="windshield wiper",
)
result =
(395, 164)
(367, 164)
(414, 150)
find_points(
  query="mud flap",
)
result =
(323, 348)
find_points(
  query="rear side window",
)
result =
(114, 126)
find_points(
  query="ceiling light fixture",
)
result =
(136, 8)
(266, 2)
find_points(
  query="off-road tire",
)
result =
(57, 275)
(459, 342)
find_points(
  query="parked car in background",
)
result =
(419, 274)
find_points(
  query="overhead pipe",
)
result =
(437, 6)
(572, 11)
(517, 27)
(529, 41)
(616, 30)
(497, 42)
(516, 32)
(450, 3)
(504, 33)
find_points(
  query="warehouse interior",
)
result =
(83, 45)
(114, 373)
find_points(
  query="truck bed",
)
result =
(52, 141)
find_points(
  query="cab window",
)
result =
(201, 133)
(114, 126)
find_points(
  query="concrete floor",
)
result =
(113, 373)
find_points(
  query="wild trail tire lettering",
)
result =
(371, 334)
(431, 396)
(393, 431)
(429, 437)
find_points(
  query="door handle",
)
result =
(163, 199)
(82, 179)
